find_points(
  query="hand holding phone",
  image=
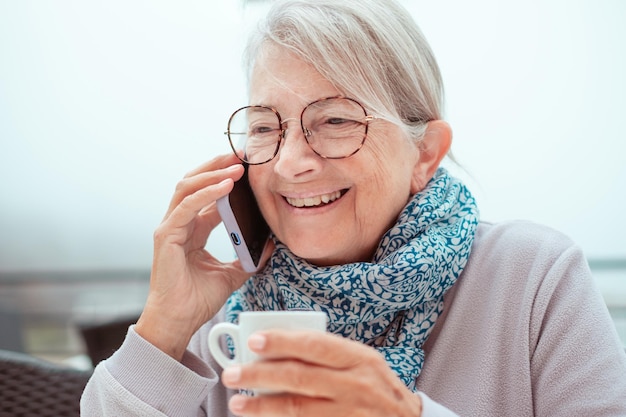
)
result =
(244, 223)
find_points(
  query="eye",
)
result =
(337, 120)
(338, 123)
(260, 130)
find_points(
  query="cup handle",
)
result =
(218, 330)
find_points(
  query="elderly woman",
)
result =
(431, 312)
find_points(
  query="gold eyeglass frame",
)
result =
(307, 133)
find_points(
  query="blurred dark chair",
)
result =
(102, 339)
(30, 386)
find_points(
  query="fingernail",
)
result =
(231, 375)
(257, 341)
(237, 403)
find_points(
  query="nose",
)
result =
(295, 157)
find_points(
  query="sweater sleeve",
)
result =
(139, 379)
(578, 366)
(525, 332)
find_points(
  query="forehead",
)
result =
(281, 79)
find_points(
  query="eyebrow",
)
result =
(259, 108)
(306, 105)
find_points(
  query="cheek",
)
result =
(391, 161)
(385, 184)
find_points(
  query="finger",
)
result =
(207, 219)
(282, 405)
(292, 377)
(220, 161)
(307, 389)
(302, 406)
(323, 349)
(193, 184)
(175, 226)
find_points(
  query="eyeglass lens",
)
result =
(333, 128)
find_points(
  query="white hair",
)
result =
(371, 50)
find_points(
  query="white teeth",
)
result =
(314, 201)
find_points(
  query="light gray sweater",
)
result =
(525, 332)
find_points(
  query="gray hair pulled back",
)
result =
(371, 50)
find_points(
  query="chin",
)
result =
(313, 256)
(322, 255)
(331, 256)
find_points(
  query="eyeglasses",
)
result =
(334, 128)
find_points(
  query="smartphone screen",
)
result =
(244, 223)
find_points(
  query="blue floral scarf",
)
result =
(391, 303)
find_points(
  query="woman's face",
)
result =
(372, 186)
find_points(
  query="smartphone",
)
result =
(244, 223)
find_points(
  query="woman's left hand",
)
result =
(318, 374)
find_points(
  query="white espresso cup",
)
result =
(253, 321)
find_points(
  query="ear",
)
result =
(432, 148)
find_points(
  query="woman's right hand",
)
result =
(188, 286)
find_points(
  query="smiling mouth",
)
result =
(316, 201)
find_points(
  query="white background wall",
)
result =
(105, 105)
